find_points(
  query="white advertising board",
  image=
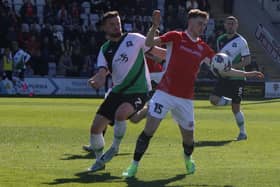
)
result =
(272, 90)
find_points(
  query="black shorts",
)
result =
(110, 105)
(230, 88)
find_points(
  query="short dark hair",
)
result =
(232, 18)
(194, 13)
(108, 15)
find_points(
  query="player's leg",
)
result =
(217, 98)
(138, 116)
(106, 110)
(97, 140)
(188, 146)
(142, 144)
(122, 113)
(130, 105)
(238, 114)
(96, 134)
(184, 115)
(105, 115)
(88, 148)
(158, 107)
(240, 121)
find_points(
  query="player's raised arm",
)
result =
(158, 54)
(151, 40)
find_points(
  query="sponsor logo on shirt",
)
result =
(189, 50)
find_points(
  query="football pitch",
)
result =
(41, 140)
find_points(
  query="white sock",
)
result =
(224, 101)
(239, 117)
(97, 142)
(119, 131)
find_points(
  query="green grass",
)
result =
(41, 139)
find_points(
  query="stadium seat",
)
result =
(18, 2)
(58, 28)
(94, 18)
(86, 7)
(10, 3)
(40, 2)
(85, 19)
(17, 6)
(40, 10)
(37, 27)
(25, 27)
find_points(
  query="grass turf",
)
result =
(41, 139)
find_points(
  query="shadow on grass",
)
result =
(262, 102)
(90, 155)
(212, 143)
(244, 103)
(134, 182)
(87, 177)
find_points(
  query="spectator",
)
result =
(87, 67)
(33, 45)
(204, 5)
(77, 60)
(62, 14)
(28, 12)
(191, 4)
(65, 66)
(75, 11)
(5, 24)
(7, 64)
(138, 24)
(68, 46)
(49, 12)
(12, 35)
(55, 49)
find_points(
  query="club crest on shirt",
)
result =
(234, 44)
(129, 43)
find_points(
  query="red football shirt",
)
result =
(153, 66)
(183, 57)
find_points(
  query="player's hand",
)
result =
(156, 18)
(255, 74)
(93, 82)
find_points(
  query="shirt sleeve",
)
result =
(142, 39)
(209, 52)
(25, 56)
(169, 37)
(245, 49)
(101, 61)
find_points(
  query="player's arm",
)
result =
(99, 79)
(239, 73)
(157, 54)
(245, 56)
(151, 40)
(209, 53)
(246, 60)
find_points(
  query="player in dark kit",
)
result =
(229, 90)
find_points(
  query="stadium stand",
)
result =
(73, 27)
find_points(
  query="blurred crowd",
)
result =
(63, 37)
